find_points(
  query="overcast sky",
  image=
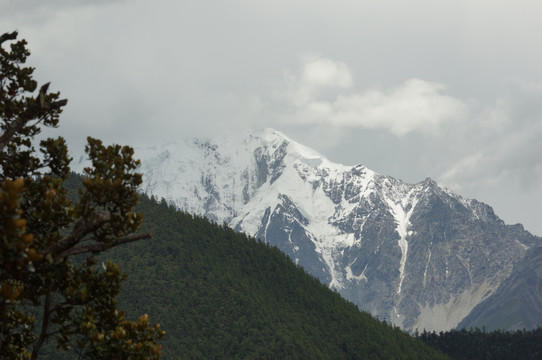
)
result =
(450, 90)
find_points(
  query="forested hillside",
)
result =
(221, 294)
(476, 344)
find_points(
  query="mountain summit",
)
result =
(417, 255)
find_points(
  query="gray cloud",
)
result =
(410, 88)
(504, 142)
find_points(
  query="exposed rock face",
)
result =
(414, 254)
(517, 303)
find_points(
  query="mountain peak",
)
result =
(270, 134)
(429, 181)
(296, 150)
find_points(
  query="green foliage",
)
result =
(225, 295)
(476, 344)
(49, 243)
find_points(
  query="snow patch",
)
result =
(523, 246)
(426, 266)
(402, 221)
(351, 276)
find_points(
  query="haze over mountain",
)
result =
(415, 254)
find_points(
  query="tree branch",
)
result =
(97, 248)
(8, 36)
(32, 112)
(79, 231)
(44, 322)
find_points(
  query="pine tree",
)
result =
(51, 286)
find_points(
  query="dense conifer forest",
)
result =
(219, 294)
(474, 344)
(224, 295)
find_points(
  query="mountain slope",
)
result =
(517, 303)
(222, 295)
(414, 254)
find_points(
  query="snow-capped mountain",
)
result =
(414, 254)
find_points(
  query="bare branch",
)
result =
(97, 248)
(44, 322)
(79, 231)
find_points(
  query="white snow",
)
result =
(522, 245)
(402, 220)
(426, 266)
(351, 276)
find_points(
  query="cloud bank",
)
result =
(320, 94)
(412, 89)
(502, 143)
